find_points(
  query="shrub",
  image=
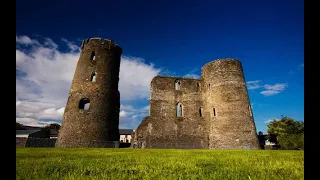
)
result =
(291, 141)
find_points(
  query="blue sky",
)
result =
(169, 38)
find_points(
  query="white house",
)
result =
(125, 135)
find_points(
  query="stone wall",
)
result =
(96, 82)
(21, 141)
(229, 116)
(163, 129)
(216, 111)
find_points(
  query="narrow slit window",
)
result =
(162, 109)
(200, 112)
(93, 77)
(93, 56)
(84, 104)
(250, 110)
(177, 85)
(179, 110)
(214, 112)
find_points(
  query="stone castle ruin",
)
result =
(212, 112)
(91, 116)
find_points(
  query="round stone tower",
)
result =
(229, 117)
(91, 116)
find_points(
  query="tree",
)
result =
(19, 126)
(286, 132)
(54, 126)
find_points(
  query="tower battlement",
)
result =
(101, 42)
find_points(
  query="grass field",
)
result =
(55, 163)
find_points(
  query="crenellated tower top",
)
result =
(101, 43)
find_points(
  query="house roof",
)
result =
(125, 131)
(25, 132)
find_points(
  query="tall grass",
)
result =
(88, 163)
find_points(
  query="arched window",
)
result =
(93, 77)
(93, 56)
(84, 104)
(208, 86)
(177, 85)
(179, 110)
(200, 112)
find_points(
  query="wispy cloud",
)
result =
(301, 66)
(268, 120)
(269, 90)
(253, 84)
(131, 116)
(192, 74)
(273, 89)
(47, 72)
(71, 45)
(25, 40)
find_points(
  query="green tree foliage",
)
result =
(291, 141)
(287, 133)
(47, 128)
(53, 126)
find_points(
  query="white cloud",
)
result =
(43, 91)
(135, 77)
(270, 119)
(34, 122)
(147, 108)
(133, 116)
(192, 76)
(122, 113)
(25, 40)
(269, 90)
(71, 45)
(273, 89)
(253, 84)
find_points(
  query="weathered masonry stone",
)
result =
(215, 114)
(91, 116)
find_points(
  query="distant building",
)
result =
(125, 135)
(269, 143)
